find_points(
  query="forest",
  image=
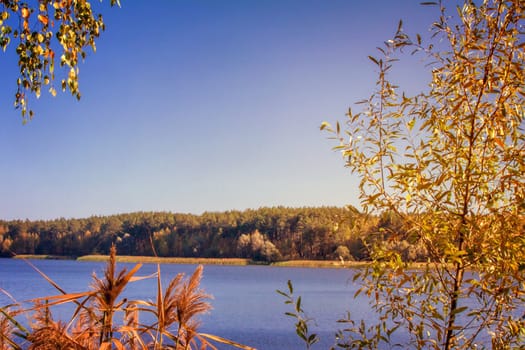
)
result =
(264, 235)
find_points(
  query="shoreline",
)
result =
(201, 261)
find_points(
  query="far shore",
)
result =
(202, 261)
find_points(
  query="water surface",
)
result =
(246, 307)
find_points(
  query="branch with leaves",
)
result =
(302, 321)
(43, 31)
(449, 162)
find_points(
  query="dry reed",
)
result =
(93, 323)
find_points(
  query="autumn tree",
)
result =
(256, 246)
(450, 162)
(43, 32)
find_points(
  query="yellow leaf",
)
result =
(38, 50)
(325, 125)
(72, 74)
(411, 124)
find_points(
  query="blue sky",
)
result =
(192, 106)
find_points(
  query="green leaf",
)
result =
(25, 333)
(300, 334)
(282, 293)
(298, 304)
(373, 59)
(312, 339)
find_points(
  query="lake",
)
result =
(246, 307)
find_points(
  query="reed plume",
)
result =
(106, 292)
(92, 325)
(85, 330)
(48, 334)
(190, 302)
(176, 308)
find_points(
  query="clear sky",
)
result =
(191, 106)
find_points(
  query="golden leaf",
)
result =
(25, 12)
(499, 142)
(43, 19)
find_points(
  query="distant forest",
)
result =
(265, 234)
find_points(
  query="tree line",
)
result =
(265, 234)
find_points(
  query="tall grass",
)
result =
(103, 319)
